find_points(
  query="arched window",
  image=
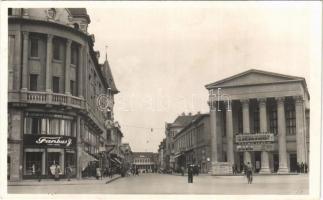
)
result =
(76, 26)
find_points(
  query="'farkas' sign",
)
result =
(50, 140)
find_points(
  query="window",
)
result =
(9, 11)
(256, 122)
(54, 127)
(73, 55)
(273, 120)
(73, 88)
(240, 123)
(55, 84)
(290, 118)
(33, 82)
(56, 50)
(33, 47)
(32, 125)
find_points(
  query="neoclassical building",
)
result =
(259, 117)
(54, 81)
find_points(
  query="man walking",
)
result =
(248, 172)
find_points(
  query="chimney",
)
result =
(190, 114)
(183, 113)
(198, 112)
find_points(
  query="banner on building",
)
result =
(49, 140)
(261, 137)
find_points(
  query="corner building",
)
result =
(54, 79)
(259, 117)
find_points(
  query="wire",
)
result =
(142, 127)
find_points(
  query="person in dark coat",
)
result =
(248, 172)
(302, 167)
(190, 174)
(305, 168)
(68, 172)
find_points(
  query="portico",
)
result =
(264, 121)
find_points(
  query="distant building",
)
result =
(54, 80)
(171, 129)
(128, 155)
(192, 144)
(145, 162)
(161, 155)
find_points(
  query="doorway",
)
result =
(257, 161)
(293, 162)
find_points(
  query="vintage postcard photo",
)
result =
(161, 98)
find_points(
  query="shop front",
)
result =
(44, 153)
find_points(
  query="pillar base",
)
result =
(283, 170)
(265, 171)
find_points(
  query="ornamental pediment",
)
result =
(253, 77)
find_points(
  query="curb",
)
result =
(74, 182)
(113, 179)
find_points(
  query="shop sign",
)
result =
(49, 140)
(249, 138)
(256, 147)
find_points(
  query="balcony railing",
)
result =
(39, 97)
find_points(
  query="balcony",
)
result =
(45, 98)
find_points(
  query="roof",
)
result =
(265, 78)
(183, 120)
(196, 119)
(79, 12)
(109, 77)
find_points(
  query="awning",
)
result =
(178, 155)
(116, 160)
(85, 159)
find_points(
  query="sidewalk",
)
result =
(73, 181)
(240, 174)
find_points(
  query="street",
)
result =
(174, 184)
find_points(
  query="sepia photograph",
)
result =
(161, 98)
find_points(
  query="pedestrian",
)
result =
(305, 167)
(38, 172)
(98, 173)
(182, 170)
(248, 172)
(33, 169)
(68, 172)
(137, 172)
(57, 172)
(190, 173)
(302, 167)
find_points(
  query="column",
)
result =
(229, 133)
(67, 67)
(246, 127)
(213, 118)
(79, 149)
(263, 129)
(300, 129)
(281, 135)
(80, 71)
(25, 61)
(49, 64)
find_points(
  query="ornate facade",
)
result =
(54, 82)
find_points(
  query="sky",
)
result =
(162, 54)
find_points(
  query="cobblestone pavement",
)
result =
(173, 184)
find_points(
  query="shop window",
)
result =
(33, 163)
(55, 84)
(34, 47)
(56, 50)
(33, 82)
